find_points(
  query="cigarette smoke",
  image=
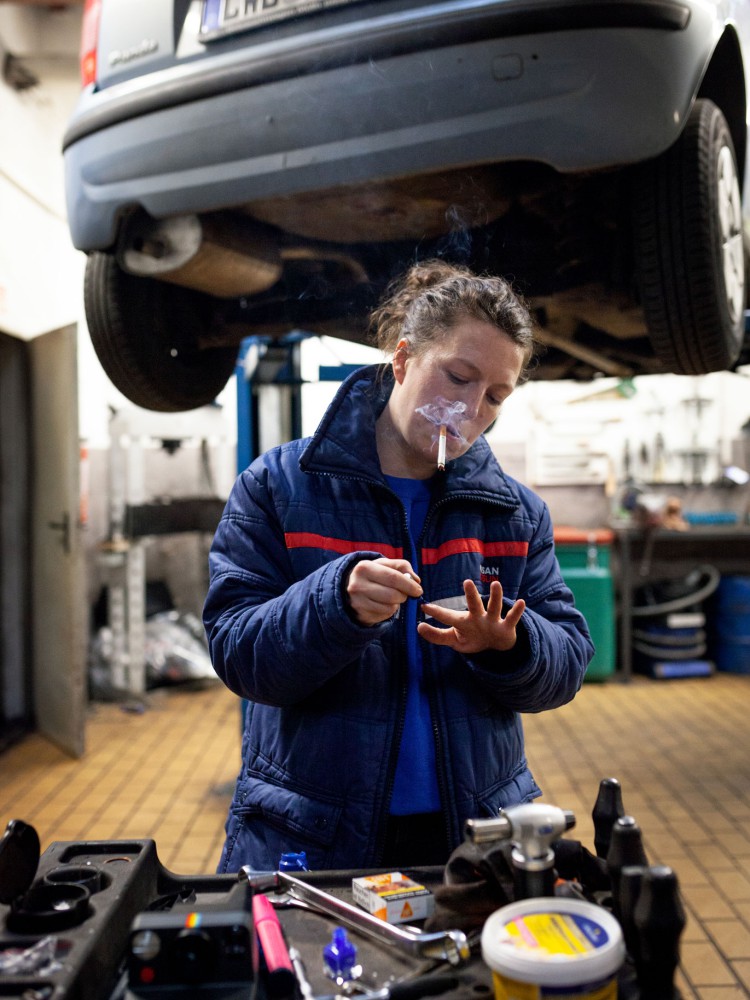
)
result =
(443, 413)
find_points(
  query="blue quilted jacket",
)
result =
(326, 695)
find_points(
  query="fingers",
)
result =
(387, 574)
(474, 602)
(437, 636)
(400, 578)
(514, 614)
(443, 615)
(495, 602)
(474, 605)
(377, 587)
(476, 628)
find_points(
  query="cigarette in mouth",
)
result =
(441, 449)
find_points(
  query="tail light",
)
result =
(89, 40)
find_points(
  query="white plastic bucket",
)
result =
(553, 947)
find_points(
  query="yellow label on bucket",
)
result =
(555, 934)
(511, 989)
(553, 949)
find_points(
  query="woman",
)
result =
(386, 620)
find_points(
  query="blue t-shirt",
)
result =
(415, 789)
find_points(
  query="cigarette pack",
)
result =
(393, 897)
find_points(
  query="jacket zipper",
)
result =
(440, 766)
(448, 811)
(401, 717)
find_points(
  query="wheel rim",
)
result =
(730, 224)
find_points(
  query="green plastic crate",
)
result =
(583, 555)
(586, 570)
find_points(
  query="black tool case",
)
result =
(85, 896)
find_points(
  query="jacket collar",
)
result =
(344, 443)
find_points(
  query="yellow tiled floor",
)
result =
(679, 748)
(163, 773)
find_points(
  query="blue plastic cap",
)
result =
(292, 861)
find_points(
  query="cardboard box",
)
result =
(393, 897)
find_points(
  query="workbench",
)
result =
(104, 920)
(644, 555)
(192, 934)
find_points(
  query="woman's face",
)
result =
(460, 381)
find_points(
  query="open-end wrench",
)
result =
(451, 946)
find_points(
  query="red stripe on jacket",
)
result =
(309, 540)
(457, 546)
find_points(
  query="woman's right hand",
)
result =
(376, 588)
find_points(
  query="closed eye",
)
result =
(493, 400)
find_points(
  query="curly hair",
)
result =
(432, 296)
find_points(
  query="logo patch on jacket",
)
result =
(489, 573)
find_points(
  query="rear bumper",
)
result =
(435, 88)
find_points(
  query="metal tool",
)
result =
(451, 945)
(531, 827)
(405, 989)
(305, 989)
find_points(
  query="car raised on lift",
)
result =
(239, 167)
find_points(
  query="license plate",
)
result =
(227, 17)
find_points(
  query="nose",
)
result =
(472, 400)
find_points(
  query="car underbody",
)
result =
(259, 184)
(278, 264)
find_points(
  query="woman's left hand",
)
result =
(478, 628)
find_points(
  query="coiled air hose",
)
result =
(672, 643)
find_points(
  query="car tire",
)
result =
(146, 335)
(689, 252)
